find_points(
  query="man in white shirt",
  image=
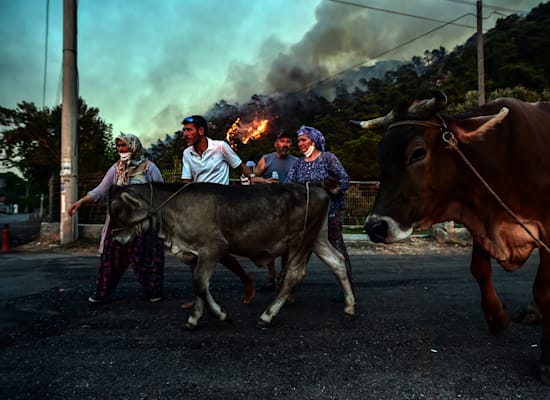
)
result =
(208, 160)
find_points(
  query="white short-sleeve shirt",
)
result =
(212, 166)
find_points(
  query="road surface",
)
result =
(419, 334)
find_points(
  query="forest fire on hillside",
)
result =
(244, 132)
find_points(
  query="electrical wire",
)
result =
(403, 44)
(383, 53)
(46, 53)
(469, 3)
(385, 10)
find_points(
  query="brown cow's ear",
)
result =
(486, 123)
(130, 200)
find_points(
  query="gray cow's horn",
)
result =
(376, 122)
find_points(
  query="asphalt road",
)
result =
(419, 334)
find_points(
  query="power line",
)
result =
(46, 53)
(469, 3)
(385, 10)
(405, 43)
(444, 24)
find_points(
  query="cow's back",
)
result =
(255, 216)
(512, 157)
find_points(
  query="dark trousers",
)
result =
(336, 238)
(145, 253)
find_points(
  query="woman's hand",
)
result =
(73, 207)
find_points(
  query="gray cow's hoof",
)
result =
(263, 324)
(544, 373)
(189, 327)
(349, 317)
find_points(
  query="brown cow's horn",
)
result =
(376, 122)
(425, 108)
(420, 109)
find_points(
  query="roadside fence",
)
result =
(359, 199)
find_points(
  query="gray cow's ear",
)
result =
(130, 200)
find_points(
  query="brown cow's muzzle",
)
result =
(383, 229)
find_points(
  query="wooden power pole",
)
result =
(480, 57)
(69, 115)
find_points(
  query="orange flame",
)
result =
(245, 132)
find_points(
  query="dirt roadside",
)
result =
(414, 245)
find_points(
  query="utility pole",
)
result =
(69, 113)
(480, 57)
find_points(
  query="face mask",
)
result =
(309, 151)
(125, 156)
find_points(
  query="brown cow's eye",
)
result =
(417, 155)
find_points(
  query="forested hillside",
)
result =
(517, 61)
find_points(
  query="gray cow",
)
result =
(201, 222)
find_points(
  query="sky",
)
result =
(146, 64)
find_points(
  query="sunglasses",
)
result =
(188, 120)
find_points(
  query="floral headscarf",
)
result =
(313, 134)
(135, 164)
(135, 146)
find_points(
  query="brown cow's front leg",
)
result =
(541, 291)
(495, 312)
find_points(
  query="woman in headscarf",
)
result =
(146, 251)
(316, 165)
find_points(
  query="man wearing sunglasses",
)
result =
(208, 160)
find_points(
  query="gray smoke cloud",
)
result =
(345, 36)
(149, 65)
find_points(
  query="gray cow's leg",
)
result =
(295, 272)
(202, 272)
(196, 314)
(332, 257)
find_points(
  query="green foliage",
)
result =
(471, 98)
(167, 153)
(359, 156)
(31, 142)
(12, 187)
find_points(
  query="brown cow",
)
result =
(425, 179)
